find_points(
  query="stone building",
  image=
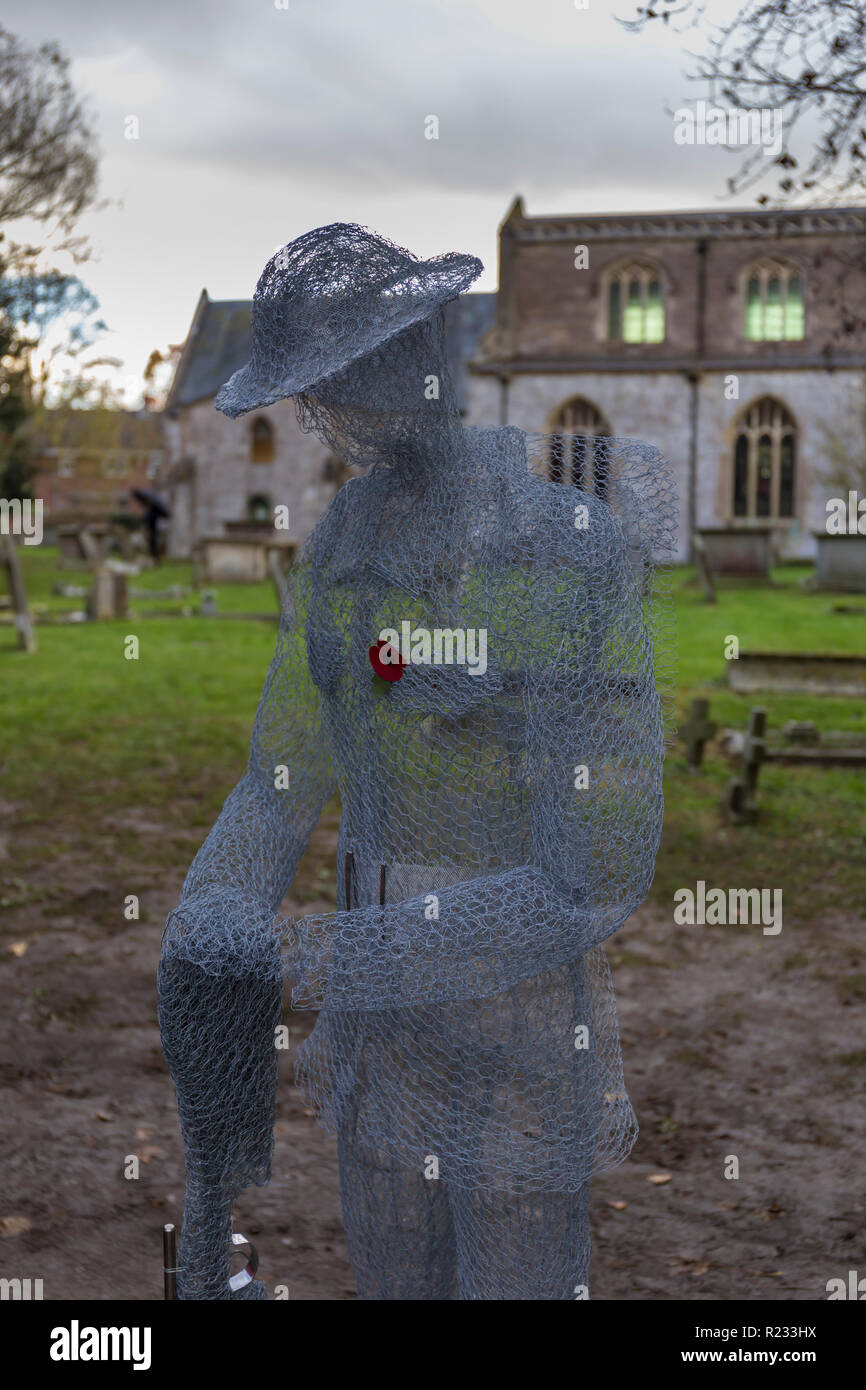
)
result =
(223, 473)
(734, 341)
(86, 463)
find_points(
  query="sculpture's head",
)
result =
(351, 325)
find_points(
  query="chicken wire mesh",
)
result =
(480, 661)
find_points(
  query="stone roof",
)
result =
(219, 340)
(218, 344)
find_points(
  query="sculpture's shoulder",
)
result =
(334, 531)
(586, 489)
(548, 520)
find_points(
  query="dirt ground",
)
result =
(734, 1044)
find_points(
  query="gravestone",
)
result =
(108, 595)
(812, 673)
(840, 563)
(742, 551)
(741, 796)
(801, 731)
(696, 731)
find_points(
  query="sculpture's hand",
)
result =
(220, 1002)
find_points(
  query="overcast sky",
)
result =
(257, 123)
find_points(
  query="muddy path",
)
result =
(735, 1045)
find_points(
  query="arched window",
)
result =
(765, 448)
(635, 304)
(262, 440)
(259, 507)
(574, 456)
(774, 309)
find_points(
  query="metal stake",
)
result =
(169, 1260)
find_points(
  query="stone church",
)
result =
(733, 341)
(223, 474)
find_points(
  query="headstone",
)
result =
(813, 673)
(743, 551)
(21, 612)
(234, 560)
(90, 548)
(208, 605)
(840, 563)
(70, 547)
(696, 731)
(801, 731)
(741, 796)
(108, 595)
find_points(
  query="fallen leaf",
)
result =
(102, 1115)
(148, 1152)
(18, 948)
(13, 1226)
(142, 1133)
(618, 1206)
(658, 1179)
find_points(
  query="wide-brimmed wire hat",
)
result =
(329, 297)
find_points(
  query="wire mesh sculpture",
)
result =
(479, 661)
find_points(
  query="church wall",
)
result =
(225, 475)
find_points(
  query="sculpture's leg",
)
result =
(521, 1247)
(398, 1227)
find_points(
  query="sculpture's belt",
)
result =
(347, 870)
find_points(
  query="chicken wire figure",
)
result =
(466, 652)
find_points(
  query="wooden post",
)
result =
(21, 612)
(703, 568)
(278, 575)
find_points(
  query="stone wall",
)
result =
(214, 475)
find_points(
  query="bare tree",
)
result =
(48, 155)
(48, 176)
(804, 58)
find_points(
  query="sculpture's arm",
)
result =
(220, 975)
(591, 704)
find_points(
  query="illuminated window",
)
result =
(764, 461)
(635, 305)
(774, 303)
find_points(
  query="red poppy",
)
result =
(386, 660)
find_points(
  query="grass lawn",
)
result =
(90, 741)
